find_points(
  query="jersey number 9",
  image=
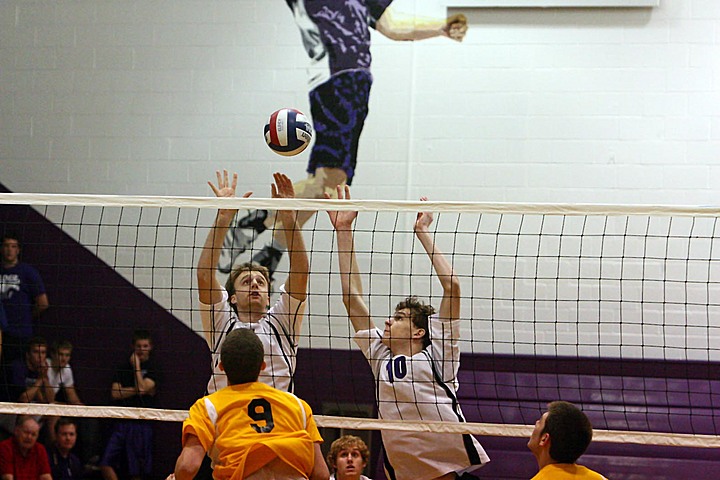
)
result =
(260, 410)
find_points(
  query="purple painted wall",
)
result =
(97, 310)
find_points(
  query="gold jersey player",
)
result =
(415, 361)
(251, 430)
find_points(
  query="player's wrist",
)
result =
(226, 215)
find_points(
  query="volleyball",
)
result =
(288, 132)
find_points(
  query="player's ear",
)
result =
(221, 366)
(544, 439)
(263, 365)
(419, 333)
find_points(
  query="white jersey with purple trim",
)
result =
(277, 332)
(422, 388)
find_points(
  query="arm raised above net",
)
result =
(401, 26)
(450, 304)
(352, 290)
(209, 288)
(297, 281)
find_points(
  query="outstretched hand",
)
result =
(424, 219)
(283, 186)
(456, 27)
(341, 219)
(226, 189)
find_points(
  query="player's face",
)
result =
(66, 437)
(251, 292)
(534, 442)
(143, 347)
(63, 357)
(38, 355)
(398, 328)
(349, 464)
(10, 250)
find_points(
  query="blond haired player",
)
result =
(251, 430)
(244, 302)
(348, 458)
(415, 361)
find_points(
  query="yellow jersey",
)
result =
(567, 471)
(246, 426)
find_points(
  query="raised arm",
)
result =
(450, 304)
(209, 288)
(297, 281)
(352, 289)
(400, 26)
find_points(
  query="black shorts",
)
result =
(339, 108)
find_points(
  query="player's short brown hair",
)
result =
(420, 315)
(242, 356)
(570, 431)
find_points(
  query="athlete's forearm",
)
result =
(404, 27)
(297, 281)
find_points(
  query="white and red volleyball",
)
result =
(288, 132)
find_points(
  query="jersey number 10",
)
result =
(396, 368)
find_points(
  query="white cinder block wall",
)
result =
(604, 105)
(537, 105)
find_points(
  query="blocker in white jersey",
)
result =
(422, 387)
(415, 361)
(278, 331)
(245, 299)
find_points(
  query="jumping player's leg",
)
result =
(339, 108)
(324, 180)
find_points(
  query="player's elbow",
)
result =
(396, 32)
(204, 277)
(453, 286)
(349, 301)
(116, 393)
(186, 470)
(392, 35)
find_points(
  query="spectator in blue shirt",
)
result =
(23, 296)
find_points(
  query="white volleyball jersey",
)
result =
(422, 388)
(277, 332)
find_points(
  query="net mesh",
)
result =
(614, 308)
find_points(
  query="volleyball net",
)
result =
(614, 308)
